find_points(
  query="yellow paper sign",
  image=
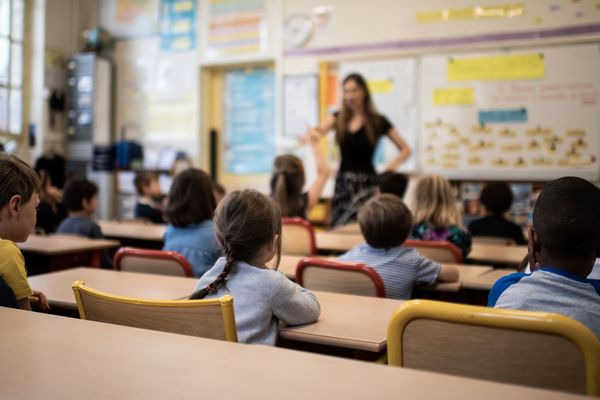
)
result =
(381, 86)
(445, 97)
(472, 13)
(493, 68)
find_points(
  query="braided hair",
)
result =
(245, 221)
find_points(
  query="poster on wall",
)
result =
(130, 18)
(524, 115)
(177, 25)
(300, 104)
(249, 121)
(236, 27)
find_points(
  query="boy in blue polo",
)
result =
(563, 245)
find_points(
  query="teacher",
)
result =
(358, 127)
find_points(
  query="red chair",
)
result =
(152, 262)
(297, 237)
(339, 277)
(440, 251)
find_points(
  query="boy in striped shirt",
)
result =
(385, 223)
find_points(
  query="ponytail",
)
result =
(217, 283)
(280, 193)
(286, 185)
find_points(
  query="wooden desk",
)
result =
(54, 252)
(69, 358)
(288, 264)
(354, 322)
(487, 280)
(494, 253)
(57, 285)
(337, 242)
(133, 231)
(64, 244)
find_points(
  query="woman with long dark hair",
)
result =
(358, 127)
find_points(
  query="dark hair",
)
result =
(143, 179)
(286, 185)
(245, 221)
(392, 182)
(16, 178)
(218, 188)
(372, 118)
(77, 190)
(191, 198)
(385, 221)
(566, 218)
(496, 197)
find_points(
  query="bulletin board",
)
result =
(526, 114)
(394, 90)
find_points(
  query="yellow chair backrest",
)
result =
(213, 318)
(519, 347)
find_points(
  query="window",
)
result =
(12, 17)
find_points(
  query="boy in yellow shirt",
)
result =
(19, 187)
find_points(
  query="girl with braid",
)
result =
(248, 228)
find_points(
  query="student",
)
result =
(385, 222)
(563, 245)
(189, 213)
(80, 198)
(288, 181)
(496, 199)
(148, 203)
(51, 211)
(18, 202)
(392, 182)
(436, 215)
(248, 226)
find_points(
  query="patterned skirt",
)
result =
(352, 190)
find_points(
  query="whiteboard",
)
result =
(526, 114)
(300, 104)
(393, 87)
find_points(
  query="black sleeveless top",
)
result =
(356, 150)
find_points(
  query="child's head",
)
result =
(385, 221)
(566, 225)
(434, 202)
(191, 199)
(80, 195)
(287, 183)
(248, 228)
(392, 182)
(496, 198)
(146, 184)
(18, 198)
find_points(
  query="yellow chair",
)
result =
(212, 318)
(538, 349)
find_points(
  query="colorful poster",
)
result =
(443, 97)
(177, 25)
(236, 27)
(130, 18)
(249, 110)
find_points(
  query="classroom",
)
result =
(300, 199)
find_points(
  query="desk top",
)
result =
(133, 230)
(337, 242)
(104, 361)
(486, 281)
(288, 264)
(64, 244)
(57, 285)
(497, 253)
(355, 322)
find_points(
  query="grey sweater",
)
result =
(261, 297)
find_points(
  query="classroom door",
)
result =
(239, 107)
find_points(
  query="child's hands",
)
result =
(40, 299)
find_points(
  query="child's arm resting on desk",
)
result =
(293, 304)
(448, 273)
(40, 299)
